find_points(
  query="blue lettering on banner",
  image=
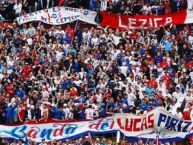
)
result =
(66, 19)
(46, 133)
(56, 9)
(179, 125)
(17, 132)
(105, 126)
(174, 124)
(185, 129)
(54, 15)
(86, 12)
(162, 118)
(58, 21)
(70, 128)
(168, 121)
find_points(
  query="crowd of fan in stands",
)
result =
(90, 72)
(88, 141)
(13, 8)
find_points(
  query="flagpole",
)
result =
(118, 137)
(90, 138)
(76, 25)
(157, 137)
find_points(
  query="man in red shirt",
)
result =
(166, 79)
(26, 69)
(153, 83)
(73, 92)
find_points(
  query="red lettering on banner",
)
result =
(49, 15)
(119, 123)
(151, 121)
(144, 124)
(129, 125)
(137, 127)
(136, 124)
(59, 131)
(33, 132)
(96, 125)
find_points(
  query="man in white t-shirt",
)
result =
(188, 99)
(190, 40)
(124, 69)
(66, 111)
(90, 113)
(178, 113)
(177, 93)
(17, 8)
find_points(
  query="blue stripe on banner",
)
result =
(176, 139)
(129, 139)
(77, 136)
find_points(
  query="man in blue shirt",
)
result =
(21, 93)
(167, 44)
(10, 113)
(143, 106)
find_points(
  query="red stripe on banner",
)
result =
(142, 21)
(43, 121)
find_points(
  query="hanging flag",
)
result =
(145, 21)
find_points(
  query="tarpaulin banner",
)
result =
(58, 16)
(145, 126)
(148, 126)
(145, 21)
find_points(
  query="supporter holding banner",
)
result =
(145, 21)
(146, 126)
(130, 125)
(58, 16)
(63, 15)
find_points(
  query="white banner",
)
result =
(146, 127)
(56, 131)
(58, 16)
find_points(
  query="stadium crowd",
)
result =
(88, 72)
(91, 72)
(13, 8)
(87, 141)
